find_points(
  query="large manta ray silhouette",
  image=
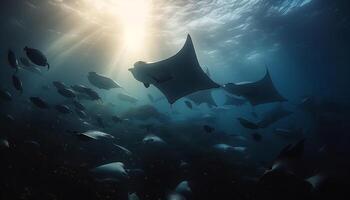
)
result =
(177, 76)
(259, 92)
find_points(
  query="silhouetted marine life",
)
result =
(188, 104)
(25, 62)
(102, 82)
(66, 92)
(12, 59)
(269, 118)
(234, 101)
(38, 102)
(259, 92)
(4, 144)
(184, 189)
(123, 149)
(111, 172)
(59, 85)
(247, 124)
(95, 135)
(34, 70)
(79, 88)
(256, 137)
(117, 119)
(36, 57)
(81, 113)
(177, 76)
(144, 112)
(153, 139)
(63, 109)
(208, 128)
(78, 105)
(5, 95)
(273, 115)
(133, 196)
(93, 95)
(203, 96)
(228, 148)
(17, 83)
(175, 196)
(317, 180)
(127, 98)
(289, 157)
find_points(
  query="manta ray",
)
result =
(203, 96)
(259, 92)
(177, 76)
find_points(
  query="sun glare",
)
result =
(126, 18)
(134, 15)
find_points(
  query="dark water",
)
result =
(215, 150)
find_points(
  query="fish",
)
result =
(258, 92)
(25, 62)
(59, 85)
(81, 113)
(66, 92)
(78, 105)
(208, 128)
(38, 102)
(95, 135)
(183, 188)
(4, 144)
(133, 196)
(111, 172)
(247, 124)
(289, 156)
(273, 115)
(34, 70)
(5, 95)
(188, 104)
(181, 74)
(153, 139)
(17, 83)
(12, 59)
(64, 109)
(228, 148)
(101, 81)
(123, 149)
(36, 57)
(92, 94)
(80, 88)
(127, 98)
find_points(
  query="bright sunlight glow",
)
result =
(127, 17)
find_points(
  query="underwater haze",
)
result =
(174, 99)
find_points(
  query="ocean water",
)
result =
(89, 127)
